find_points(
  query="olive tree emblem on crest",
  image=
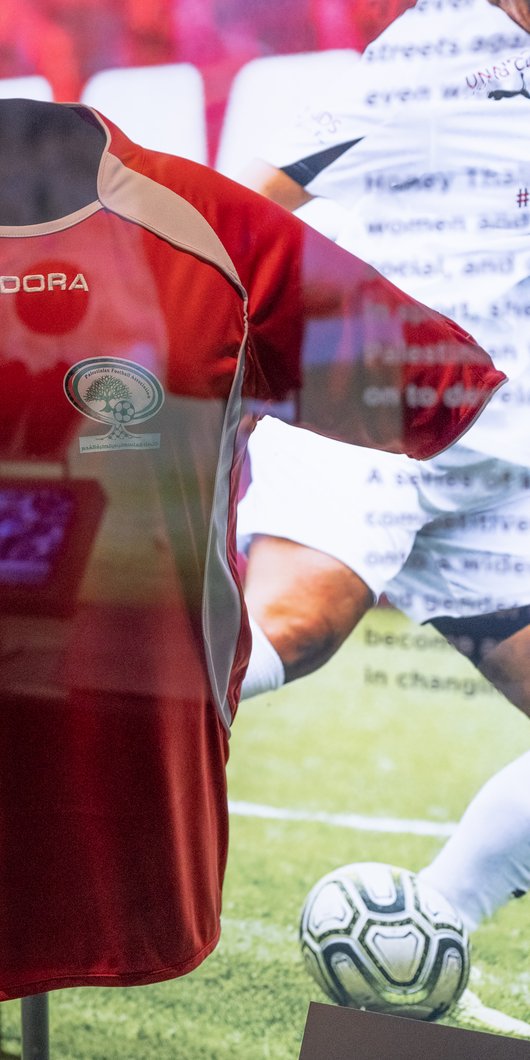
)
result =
(116, 392)
(108, 389)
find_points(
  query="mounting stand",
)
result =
(35, 1027)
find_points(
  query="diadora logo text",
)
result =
(35, 282)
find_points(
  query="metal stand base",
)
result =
(35, 1028)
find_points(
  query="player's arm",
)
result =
(274, 184)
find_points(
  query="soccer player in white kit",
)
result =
(429, 153)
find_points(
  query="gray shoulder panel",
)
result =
(138, 198)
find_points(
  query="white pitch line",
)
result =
(471, 1009)
(356, 821)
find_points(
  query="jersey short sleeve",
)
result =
(361, 360)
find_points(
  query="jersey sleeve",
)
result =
(368, 364)
(364, 362)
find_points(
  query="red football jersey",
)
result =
(147, 305)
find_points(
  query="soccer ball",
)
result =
(123, 411)
(376, 937)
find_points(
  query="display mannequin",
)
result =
(48, 161)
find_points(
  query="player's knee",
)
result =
(305, 601)
(516, 690)
(304, 640)
(506, 667)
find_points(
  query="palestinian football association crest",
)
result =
(118, 393)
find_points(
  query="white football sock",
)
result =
(487, 859)
(265, 669)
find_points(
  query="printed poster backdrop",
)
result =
(421, 155)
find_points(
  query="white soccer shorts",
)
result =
(448, 536)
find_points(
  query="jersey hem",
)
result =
(158, 975)
(467, 419)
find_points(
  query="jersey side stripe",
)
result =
(141, 199)
(221, 609)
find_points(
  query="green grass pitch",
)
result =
(364, 736)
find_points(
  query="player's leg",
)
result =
(303, 600)
(487, 860)
(498, 644)
(471, 562)
(507, 666)
(318, 527)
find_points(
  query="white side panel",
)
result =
(221, 606)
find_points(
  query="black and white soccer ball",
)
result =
(376, 937)
(123, 411)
